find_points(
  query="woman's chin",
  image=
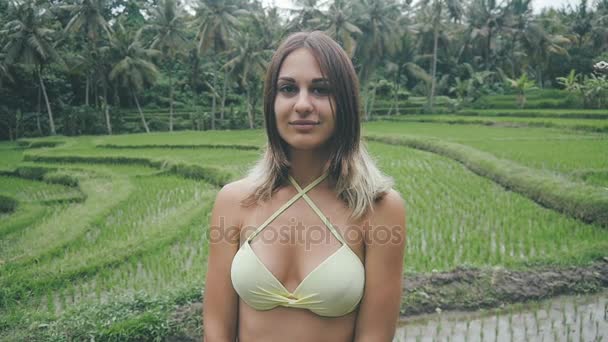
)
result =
(306, 144)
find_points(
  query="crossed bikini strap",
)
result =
(301, 193)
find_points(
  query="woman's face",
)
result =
(303, 104)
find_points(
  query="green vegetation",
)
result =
(539, 113)
(141, 228)
(104, 237)
(78, 67)
(578, 200)
(555, 150)
(589, 125)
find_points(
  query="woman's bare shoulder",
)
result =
(235, 191)
(389, 210)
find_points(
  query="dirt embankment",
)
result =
(472, 289)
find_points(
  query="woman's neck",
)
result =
(307, 165)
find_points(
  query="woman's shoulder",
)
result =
(390, 198)
(388, 210)
(229, 202)
(235, 191)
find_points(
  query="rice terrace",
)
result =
(100, 229)
(116, 139)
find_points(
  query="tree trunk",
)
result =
(141, 114)
(96, 95)
(366, 100)
(521, 99)
(38, 125)
(223, 105)
(396, 100)
(107, 108)
(372, 102)
(170, 101)
(18, 119)
(434, 68)
(48, 105)
(213, 100)
(116, 97)
(249, 109)
(86, 90)
(488, 48)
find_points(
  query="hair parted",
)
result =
(357, 181)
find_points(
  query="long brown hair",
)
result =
(358, 182)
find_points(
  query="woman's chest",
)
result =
(293, 241)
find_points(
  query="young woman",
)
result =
(309, 246)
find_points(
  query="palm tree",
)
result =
(4, 70)
(518, 18)
(131, 67)
(249, 61)
(30, 42)
(339, 22)
(434, 11)
(6, 114)
(599, 23)
(521, 85)
(88, 18)
(216, 22)
(486, 20)
(380, 38)
(169, 28)
(306, 17)
(540, 45)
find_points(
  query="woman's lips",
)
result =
(303, 125)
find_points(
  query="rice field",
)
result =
(581, 124)
(570, 153)
(484, 224)
(539, 112)
(30, 191)
(131, 227)
(571, 318)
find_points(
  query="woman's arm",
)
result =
(385, 246)
(220, 307)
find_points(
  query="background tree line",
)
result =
(105, 66)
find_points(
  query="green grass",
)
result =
(241, 137)
(142, 226)
(26, 215)
(576, 199)
(456, 217)
(543, 148)
(25, 190)
(547, 113)
(51, 235)
(539, 98)
(153, 216)
(205, 157)
(11, 155)
(590, 125)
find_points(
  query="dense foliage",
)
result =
(101, 66)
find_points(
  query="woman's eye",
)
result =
(321, 91)
(287, 88)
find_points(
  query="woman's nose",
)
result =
(303, 103)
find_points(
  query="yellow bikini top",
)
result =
(334, 288)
